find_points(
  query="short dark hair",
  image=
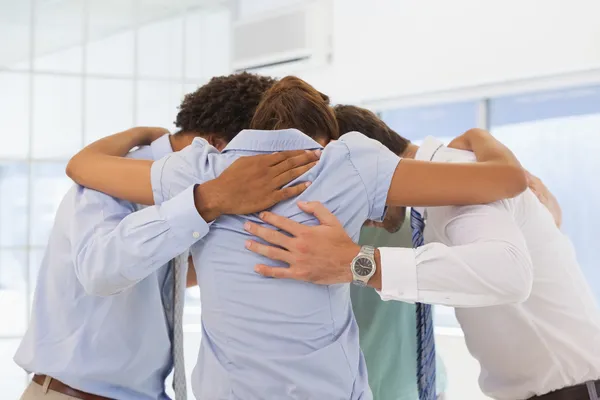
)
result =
(352, 118)
(293, 103)
(224, 106)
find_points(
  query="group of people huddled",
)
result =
(287, 212)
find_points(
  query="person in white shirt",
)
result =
(536, 336)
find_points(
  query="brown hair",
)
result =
(352, 118)
(293, 103)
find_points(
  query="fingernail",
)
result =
(248, 244)
(318, 153)
(262, 215)
(307, 184)
(303, 203)
(247, 226)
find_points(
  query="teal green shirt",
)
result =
(388, 332)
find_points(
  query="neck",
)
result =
(410, 152)
(181, 140)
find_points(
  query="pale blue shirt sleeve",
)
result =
(179, 171)
(114, 246)
(375, 165)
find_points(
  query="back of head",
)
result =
(224, 106)
(352, 118)
(293, 103)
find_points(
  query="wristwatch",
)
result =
(363, 266)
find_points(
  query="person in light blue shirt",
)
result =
(101, 321)
(265, 339)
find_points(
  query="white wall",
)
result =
(391, 48)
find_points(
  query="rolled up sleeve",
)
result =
(178, 171)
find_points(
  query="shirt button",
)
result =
(196, 235)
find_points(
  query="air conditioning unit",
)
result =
(284, 40)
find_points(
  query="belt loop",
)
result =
(47, 381)
(591, 386)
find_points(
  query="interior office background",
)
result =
(72, 71)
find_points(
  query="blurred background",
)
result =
(72, 71)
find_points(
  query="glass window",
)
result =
(112, 55)
(14, 115)
(13, 380)
(13, 204)
(207, 43)
(57, 122)
(157, 103)
(13, 292)
(556, 135)
(110, 37)
(59, 35)
(15, 22)
(160, 49)
(108, 107)
(444, 121)
(49, 185)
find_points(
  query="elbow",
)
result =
(73, 167)
(70, 170)
(517, 179)
(519, 277)
(520, 290)
(93, 282)
(97, 288)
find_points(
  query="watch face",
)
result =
(363, 266)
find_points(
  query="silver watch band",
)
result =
(368, 251)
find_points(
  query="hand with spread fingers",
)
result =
(254, 183)
(319, 254)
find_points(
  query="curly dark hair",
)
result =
(224, 106)
(352, 118)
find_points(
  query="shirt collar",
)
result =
(270, 141)
(428, 148)
(161, 147)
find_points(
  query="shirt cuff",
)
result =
(183, 218)
(398, 274)
(387, 162)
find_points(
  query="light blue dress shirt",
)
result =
(278, 339)
(100, 319)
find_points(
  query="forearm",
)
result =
(491, 151)
(475, 275)
(117, 253)
(480, 258)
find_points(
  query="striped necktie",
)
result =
(179, 385)
(425, 338)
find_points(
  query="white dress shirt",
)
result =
(527, 313)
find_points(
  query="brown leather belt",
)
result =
(60, 387)
(577, 392)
